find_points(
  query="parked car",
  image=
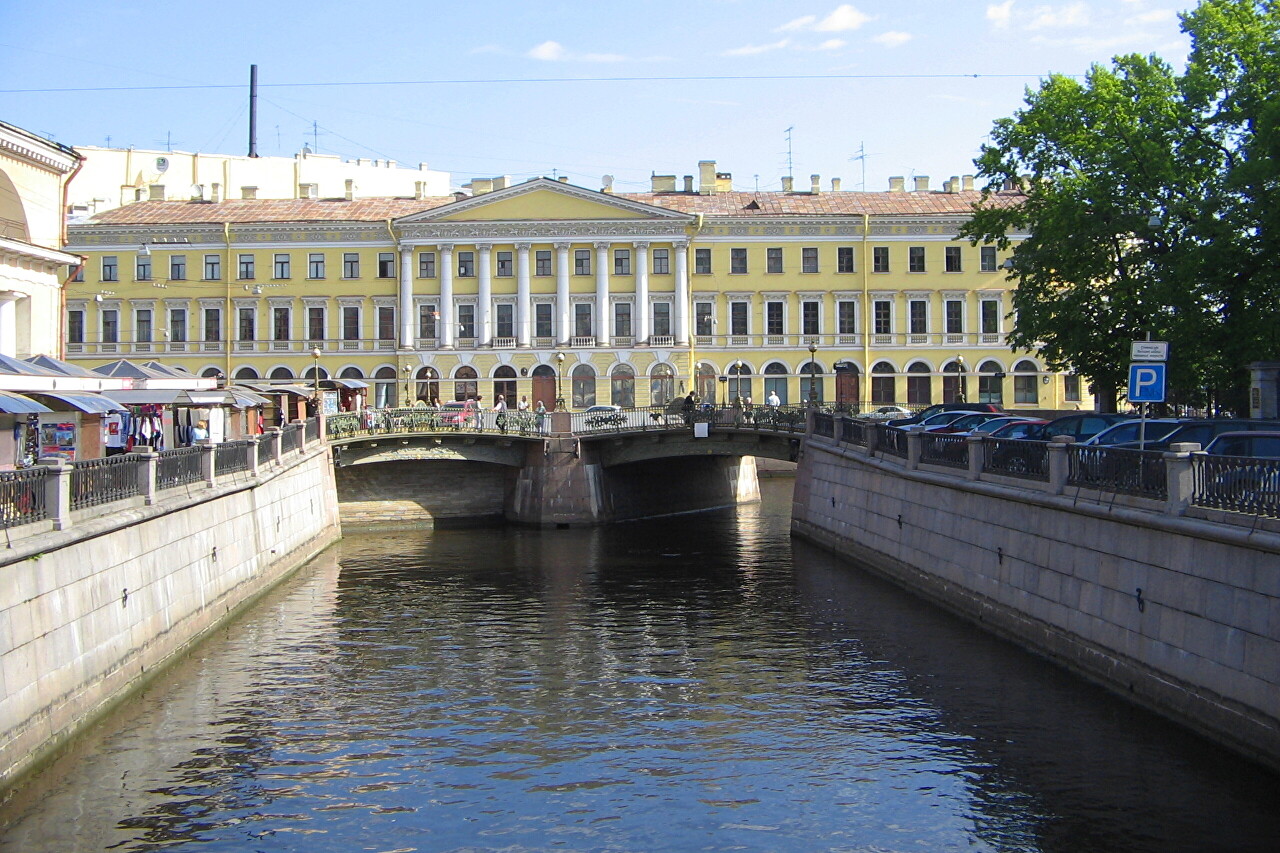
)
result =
(966, 423)
(1081, 426)
(1261, 444)
(1249, 477)
(945, 407)
(604, 415)
(1203, 431)
(888, 412)
(995, 427)
(1126, 431)
(1018, 428)
(940, 419)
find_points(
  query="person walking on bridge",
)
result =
(500, 419)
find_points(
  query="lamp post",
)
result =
(724, 383)
(315, 377)
(737, 382)
(559, 382)
(408, 398)
(964, 380)
(813, 375)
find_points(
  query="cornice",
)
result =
(545, 185)
(539, 231)
(36, 151)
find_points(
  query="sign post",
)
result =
(1146, 379)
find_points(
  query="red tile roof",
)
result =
(265, 210)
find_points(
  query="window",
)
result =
(110, 326)
(662, 318)
(809, 317)
(880, 259)
(662, 385)
(844, 259)
(702, 318)
(583, 386)
(315, 323)
(955, 316)
(809, 259)
(990, 383)
(213, 324)
(542, 262)
(1071, 388)
(280, 323)
(622, 386)
(142, 268)
(919, 385)
(622, 262)
(110, 268)
(212, 267)
(245, 267)
(77, 272)
(582, 262)
(661, 261)
(466, 321)
(990, 317)
(775, 381)
(466, 264)
(918, 317)
(75, 327)
(951, 256)
(142, 325)
(350, 323)
(350, 265)
(987, 258)
(315, 265)
(773, 314)
(622, 319)
(846, 317)
(582, 319)
(246, 327)
(542, 320)
(178, 268)
(738, 318)
(386, 323)
(506, 267)
(915, 259)
(1026, 382)
(426, 321)
(738, 261)
(427, 265)
(505, 320)
(281, 266)
(386, 265)
(178, 325)
(702, 261)
(773, 260)
(883, 316)
(884, 385)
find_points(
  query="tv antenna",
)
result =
(790, 167)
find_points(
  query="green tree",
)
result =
(1150, 205)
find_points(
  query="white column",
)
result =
(564, 323)
(407, 337)
(9, 324)
(682, 294)
(484, 298)
(447, 326)
(602, 295)
(524, 314)
(642, 292)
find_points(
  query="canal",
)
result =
(694, 683)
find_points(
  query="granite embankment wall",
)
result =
(89, 612)
(1180, 614)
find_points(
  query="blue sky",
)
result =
(478, 88)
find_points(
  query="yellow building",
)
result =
(544, 289)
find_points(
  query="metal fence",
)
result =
(290, 438)
(891, 440)
(943, 449)
(266, 450)
(1112, 469)
(824, 424)
(22, 497)
(102, 481)
(1017, 457)
(312, 429)
(178, 467)
(1237, 484)
(853, 432)
(232, 456)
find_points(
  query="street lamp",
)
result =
(408, 399)
(813, 375)
(559, 382)
(315, 377)
(964, 380)
(737, 381)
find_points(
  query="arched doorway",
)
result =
(775, 381)
(544, 387)
(384, 387)
(884, 384)
(622, 386)
(919, 384)
(954, 383)
(705, 382)
(662, 384)
(465, 384)
(991, 382)
(739, 381)
(584, 386)
(848, 385)
(428, 389)
(811, 381)
(504, 383)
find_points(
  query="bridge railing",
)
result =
(417, 419)
(676, 417)
(57, 494)
(1236, 484)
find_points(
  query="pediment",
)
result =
(543, 199)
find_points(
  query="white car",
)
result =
(887, 412)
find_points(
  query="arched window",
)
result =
(282, 373)
(811, 381)
(990, 382)
(246, 373)
(1025, 382)
(662, 384)
(955, 384)
(384, 387)
(504, 383)
(211, 373)
(884, 384)
(775, 381)
(428, 389)
(464, 383)
(622, 386)
(310, 373)
(739, 381)
(919, 384)
(705, 384)
(584, 386)
(350, 373)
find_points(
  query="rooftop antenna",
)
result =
(253, 111)
(790, 167)
(862, 156)
(315, 135)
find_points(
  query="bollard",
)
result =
(915, 442)
(1180, 476)
(977, 447)
(207, 457)
(1059, 467)
(277, 442)
(147, 473)
(57, 496)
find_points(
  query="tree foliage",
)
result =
(1151, 205)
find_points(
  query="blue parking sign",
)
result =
(1146, 383)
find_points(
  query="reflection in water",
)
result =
(660, 685)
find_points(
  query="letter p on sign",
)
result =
(1146, 383)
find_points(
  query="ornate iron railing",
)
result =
(313, 429)
(1237, 484)
(266, 448)
(101, 481)
(1111, 469)
(1016, 457)
(22, 497)
(178, 467)
(891, 440)
(853, 432)
(290, 438)
(943, 449)
(232, 456)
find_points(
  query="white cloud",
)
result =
(1057, 17)
(798, 24)
(832, 44)
(845, 17)
(1000, 14)
(893, 38)
(548, 51)
(756, 49)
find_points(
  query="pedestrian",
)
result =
(523, 405)
(541, 413)
(500, 419)
(687, 408)
(200, 432)
(773, 400)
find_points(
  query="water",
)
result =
(699, 683)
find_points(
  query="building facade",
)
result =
(545, 290)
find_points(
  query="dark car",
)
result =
(1202, 432)
(1246, 474)
(945, 407)
(1081, 426)
(965, 423)
(1260, 444)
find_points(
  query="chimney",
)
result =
(922, 183)
(688, 183)
(307, 191)
(706, 177)
(815, 182)
(502, 182)
(564, 179)
(480, 186)
(606, 184)
(460, 195)
(955, 184)
(664, 183)
(967, 183)
(215, 192)
(835, 185)
(350, 193)
(248, 192)
(155, 192)
(896, 184)
(787, 184)
(419, 190)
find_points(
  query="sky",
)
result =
(860, 91)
